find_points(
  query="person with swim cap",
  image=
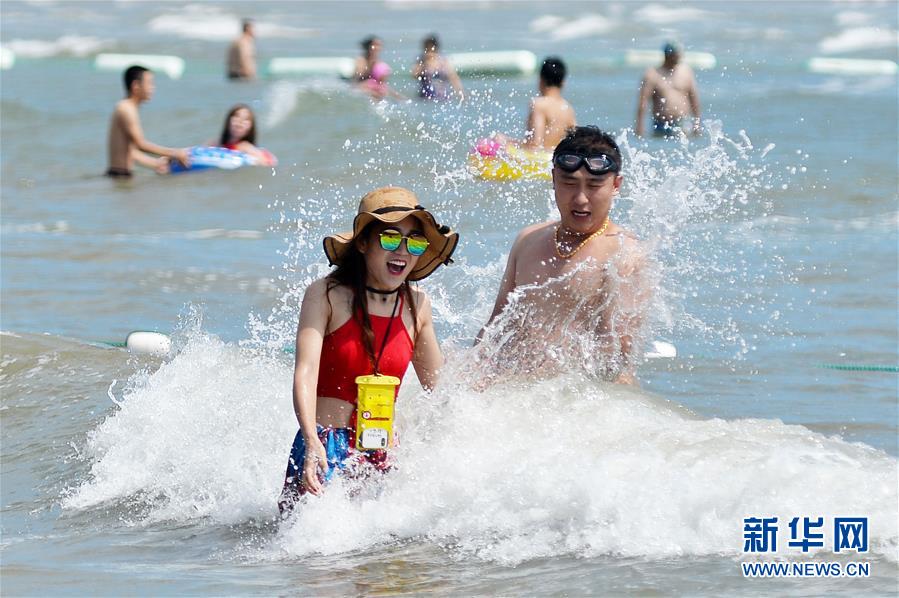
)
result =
(363, 318)
(575, 288)
(671, 88)
(437, 79)
(126, 142)
(242, 54)
(239, 134)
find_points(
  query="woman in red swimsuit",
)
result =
(361, 318)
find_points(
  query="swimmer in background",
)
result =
(127, 143)
(672, 89)
(239, 134)
(550, 115)
(242, 54)
(437, 79)
(371, 72)
(577, 288)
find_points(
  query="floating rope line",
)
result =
(851, 367)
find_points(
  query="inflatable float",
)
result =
(494, 160)
(205, 157)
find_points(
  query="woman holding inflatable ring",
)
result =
(362, 318)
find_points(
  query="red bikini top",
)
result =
(343, 355)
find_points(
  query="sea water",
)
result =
(775, 231)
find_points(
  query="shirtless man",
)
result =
(672, 88)
(550, 116)
(574, 289)
(127, 143)
(242, 54)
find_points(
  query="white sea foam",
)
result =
(60, 226)
(860, 38)
(562, 29)
(500, 475)
(546, 23)
(662, 14)
(211, 23)
(67, 45)
(852, 18)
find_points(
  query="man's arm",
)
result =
(506, 285)
(160, 165)
(693, 96)
(135, 134)
(642, 100)
(633, 297)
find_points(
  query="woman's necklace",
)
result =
(382, 293)
(570, 254)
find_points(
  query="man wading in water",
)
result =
(574, 289)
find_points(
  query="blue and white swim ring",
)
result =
(203, 157)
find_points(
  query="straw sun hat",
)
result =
(390, 205)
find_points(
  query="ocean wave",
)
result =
(502, 475)
(859, 38)
(59, 226)
(67, 45)
(563, 29)
(660, 14)
(210, 23)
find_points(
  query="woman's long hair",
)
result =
(226, 135)
(351, 273)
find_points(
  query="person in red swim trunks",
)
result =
(363, 317)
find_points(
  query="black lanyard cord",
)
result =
(396, 303)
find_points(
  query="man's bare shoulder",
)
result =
(534, 231)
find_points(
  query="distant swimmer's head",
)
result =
(240, 125)
(394, 239)
(673, 51)
(371, 46)
(431, 43)
(553, 71)
(139, 83)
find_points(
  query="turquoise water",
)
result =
(777, 230)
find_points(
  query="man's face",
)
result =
(584, 199)
(144, 87)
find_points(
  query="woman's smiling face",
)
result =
(385, 269)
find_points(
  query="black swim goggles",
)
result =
(596, 164)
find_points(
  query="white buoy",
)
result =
(146, 342)
(173, 66)
(661, 350)
(325, 65)
(514, 62)
(851, 66)
(698, 60)
(7, 58)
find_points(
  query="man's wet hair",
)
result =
(589, 141)
(431, 42)
(132, 74)
(246, 24)
(553, 71)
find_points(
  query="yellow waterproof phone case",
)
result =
(374, 411)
